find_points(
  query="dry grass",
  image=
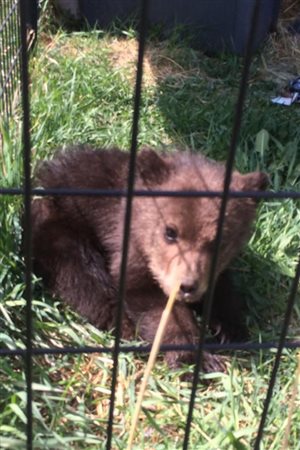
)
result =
(290, 10)
(281, 57)
(159, 64)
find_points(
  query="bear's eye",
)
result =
(171, 234)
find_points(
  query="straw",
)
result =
(152, 357)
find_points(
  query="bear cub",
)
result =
(77, 241)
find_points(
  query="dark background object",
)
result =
(294, 27)
(32, 14)
(212, 25)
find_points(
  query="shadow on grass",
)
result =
(198, 102)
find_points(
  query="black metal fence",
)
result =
(9, 57)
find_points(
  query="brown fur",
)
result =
(78, 240)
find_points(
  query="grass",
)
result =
(80, 92)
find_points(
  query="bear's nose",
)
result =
(189, 288)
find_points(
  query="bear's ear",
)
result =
(254, 181)
(152, 168)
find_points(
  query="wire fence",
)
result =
(10, 50)
(10, 47)
(15, 45)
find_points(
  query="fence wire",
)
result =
(10, 49)
(228, 173)
(127, 218)
(27, 219)
(13, 45)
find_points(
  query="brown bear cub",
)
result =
(78, 241)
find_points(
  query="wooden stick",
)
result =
(152, 357)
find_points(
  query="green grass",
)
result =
(79, 95)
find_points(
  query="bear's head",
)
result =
(177, 234)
